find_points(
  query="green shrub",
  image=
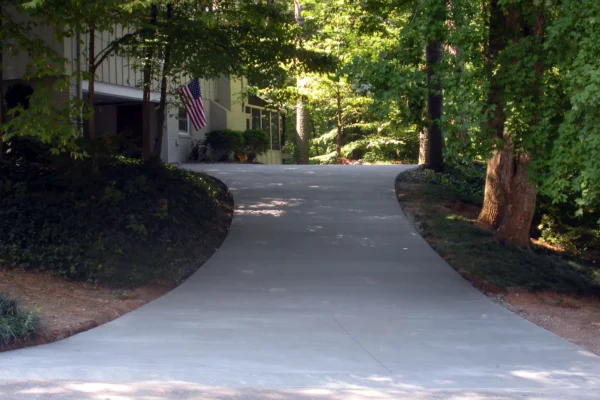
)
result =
(28, 149)
(578, 236)
(256, 141)
(466, 181)
(16, 324)
(375, 148)
(126, 225)
(224, 143)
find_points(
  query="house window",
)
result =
(268, 121)
(266, 124)
(275, 143)
(184, 122)
(255, 118)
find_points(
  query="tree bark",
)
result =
(499, 170)
(339, 125)
(91, 81)
(162, 108)
(435, 139)
(302, 133)
(520, 206)
(147, 87)
(422, 145)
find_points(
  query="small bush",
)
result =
(224, 143)
(256, 141)
(16, 324)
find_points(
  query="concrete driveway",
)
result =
(323, 290)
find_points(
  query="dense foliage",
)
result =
(127, 225)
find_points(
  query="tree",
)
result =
(516, 54)
(43, 119)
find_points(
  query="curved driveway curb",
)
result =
(322, 290)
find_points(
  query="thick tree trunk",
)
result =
(147, 87)
(302, 133)
(162, 108)
(340, 126)
(435, 139)
(520, 207)
(92, 78)
(497, 181)
(516, 225)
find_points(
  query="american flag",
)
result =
(191, 97)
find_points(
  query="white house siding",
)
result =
(116, 70)
(217, 116)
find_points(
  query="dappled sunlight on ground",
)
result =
(268, 206)
(373, 387)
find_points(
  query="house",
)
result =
(118, 99)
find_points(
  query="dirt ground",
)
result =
(67, 308)
(576, 319)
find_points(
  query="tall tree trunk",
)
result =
(339, 125)
(91, 81)
(147, 88)
(435, 139)
(302, 132)
(494, 201)
(162, 108)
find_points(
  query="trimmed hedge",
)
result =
(224, 142)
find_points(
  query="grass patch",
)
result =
(444, 211)
(16, 324)
(127, 225)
